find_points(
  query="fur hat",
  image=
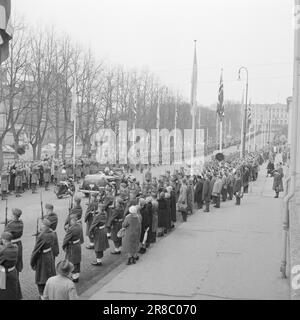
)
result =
(64, 267)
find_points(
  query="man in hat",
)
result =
(42, 258)
(61, 287)
(237, 188)
(18, 182)
(34, 178)
(99, 234)
(4, 184)
(8, 261)
(72, 246)
(206, 193)
(15, 227)
(47, 176)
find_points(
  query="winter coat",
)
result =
(131, 240)
(42, 258)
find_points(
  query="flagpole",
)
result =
(255, 124)
(242, 129)
(74, 128)
(175, 134)
(221, 134)
(194, 104)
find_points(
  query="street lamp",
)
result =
(245, 111)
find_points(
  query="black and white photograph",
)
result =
(149, 151)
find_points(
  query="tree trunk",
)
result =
(1, 155)
(34, 147)
(57, 140)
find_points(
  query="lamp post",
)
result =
(245, 111)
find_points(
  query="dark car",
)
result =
(98, 182)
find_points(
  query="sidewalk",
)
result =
(230, 253)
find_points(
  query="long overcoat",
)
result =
(43, 262)
(131, 240)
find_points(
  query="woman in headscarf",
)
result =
(131, 240)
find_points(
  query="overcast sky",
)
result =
(158, 35)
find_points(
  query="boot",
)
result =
(129, 262)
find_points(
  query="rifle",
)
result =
(42, 209)
(6, 209)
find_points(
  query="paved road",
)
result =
(230, 253)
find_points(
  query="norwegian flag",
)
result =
(134, 109)
(220, 108)
(249, 114)
(6, 29)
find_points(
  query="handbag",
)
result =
(2, 278)
(121, 233)
(182, 207)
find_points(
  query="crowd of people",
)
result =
(133, 216)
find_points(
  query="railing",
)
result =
(285, 226)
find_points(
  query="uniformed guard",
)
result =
(99, 234)
(15, 227)
(8, 261)
(4, 184)
(77, 209)
(53, 219)
(115, 223)
(72, 246)
(89, 216)
(42, 258)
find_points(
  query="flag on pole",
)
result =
(134, 109)
(6, 29)
(220, 107)
(194, 84)
(74, 103)
(249, 114)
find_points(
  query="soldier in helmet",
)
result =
(4, 184)
(53, 218)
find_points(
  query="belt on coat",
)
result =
(16, 240)
(77, 241)
(11, 269)
(102, 227)
(119, 220)
(47, 250)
